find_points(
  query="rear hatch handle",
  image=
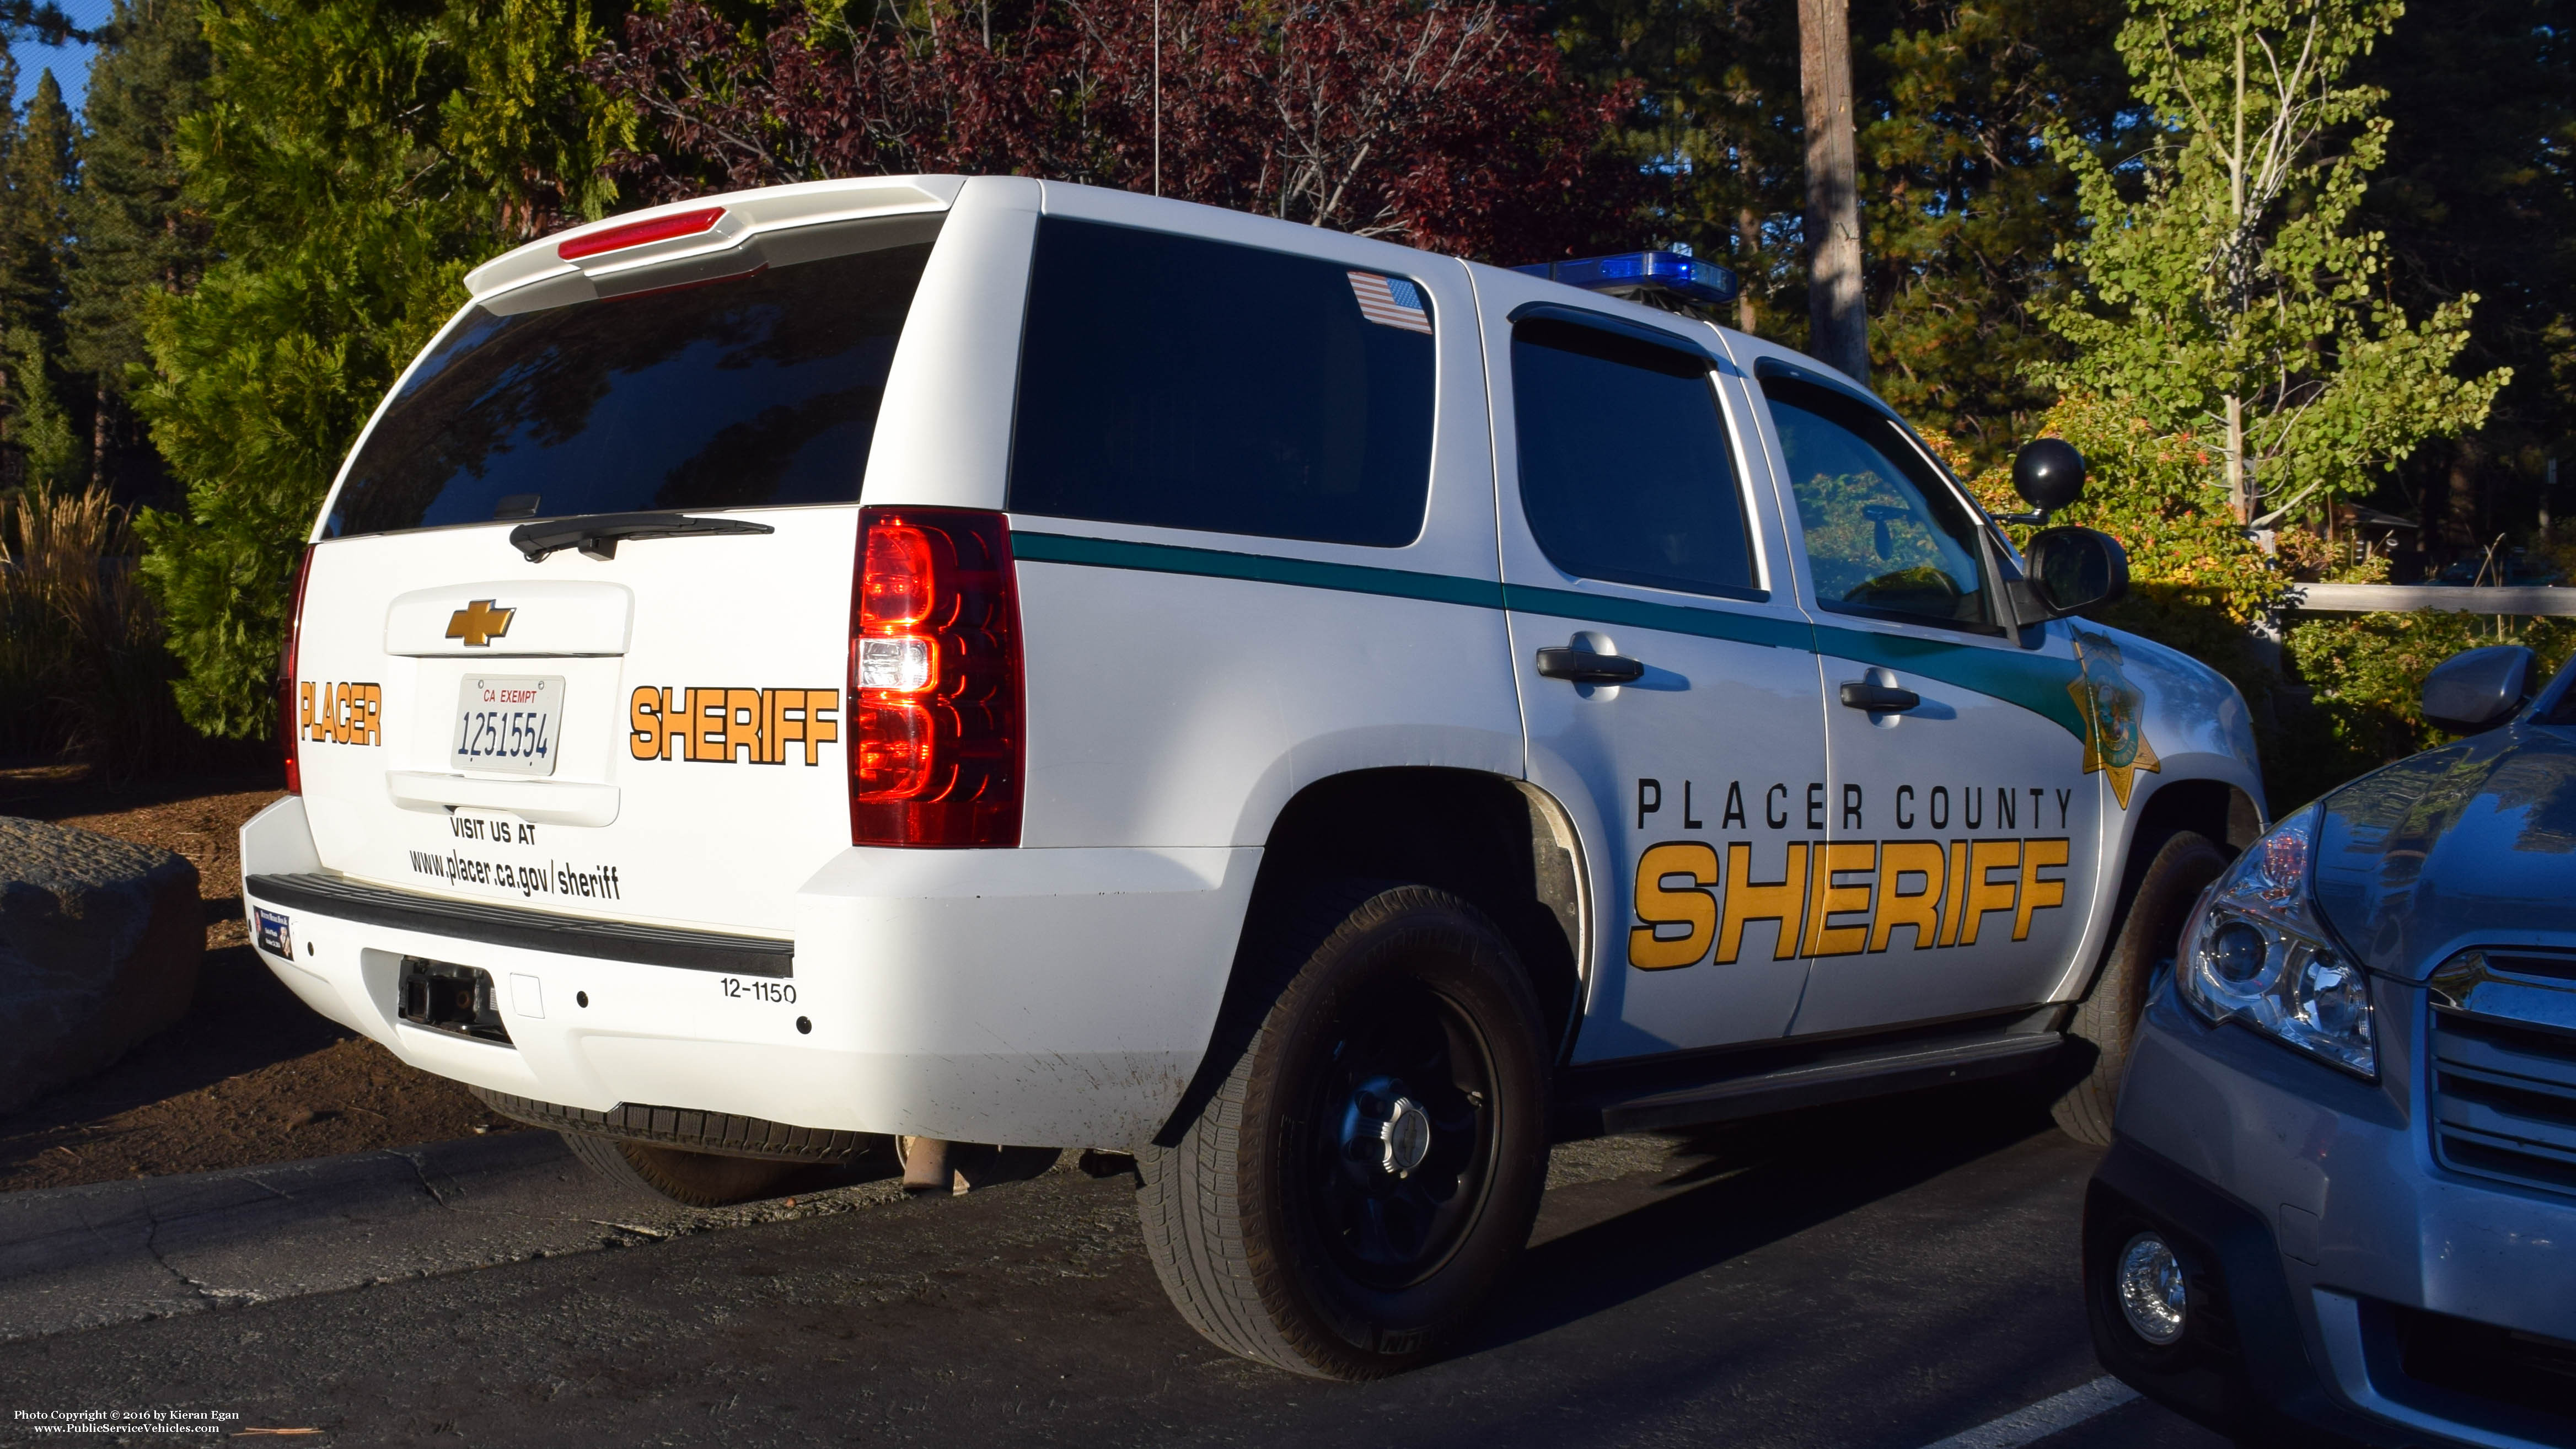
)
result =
(597, 535)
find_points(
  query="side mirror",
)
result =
(2477, 689)
(2073, 569)
(2049, 474)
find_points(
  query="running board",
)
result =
(1862, 1071)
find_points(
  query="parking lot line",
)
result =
(2048, 1416)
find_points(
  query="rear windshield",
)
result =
(757, 390)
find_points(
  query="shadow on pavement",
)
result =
(1752, 1184)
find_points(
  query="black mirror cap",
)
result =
(2073, 569)
(2478, 689)
(2048, 473)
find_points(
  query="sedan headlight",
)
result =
(2256, 953)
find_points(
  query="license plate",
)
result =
(508, 724)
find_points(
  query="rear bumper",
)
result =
(2327, 1253)
(1055, 998)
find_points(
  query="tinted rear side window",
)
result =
(757, 390)
(1626, 474)
(1193, 384)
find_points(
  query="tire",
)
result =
(1352, 1190)
(2107, 1022)
(699, 1179)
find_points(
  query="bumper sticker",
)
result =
(273, 937)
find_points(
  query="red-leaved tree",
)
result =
(1451, 124)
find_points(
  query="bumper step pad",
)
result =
(536, 930)
(688, 1129)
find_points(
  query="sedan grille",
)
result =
(2504, 1068)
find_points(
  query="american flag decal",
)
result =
(1391, 302)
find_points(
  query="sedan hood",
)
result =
(2473, 844)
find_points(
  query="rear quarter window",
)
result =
(1627, 473)
(1184, 383)
(759, 390)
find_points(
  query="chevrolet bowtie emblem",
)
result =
(478, 624)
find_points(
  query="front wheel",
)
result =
(1351, 1192)
(2107, 1022)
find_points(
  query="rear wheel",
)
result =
(699, 1179)
(2107, 1022)
(1351, 1192)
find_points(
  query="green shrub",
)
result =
(355, 159)
(2365, 672)
(2196, 582)
(2338, 698)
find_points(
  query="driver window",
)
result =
(1884, 536)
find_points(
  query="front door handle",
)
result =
(1879, 698)
(1585, 667)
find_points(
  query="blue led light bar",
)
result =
(1687, 277)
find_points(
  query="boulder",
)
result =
(99, 944)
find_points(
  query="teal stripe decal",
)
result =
(2035, 682)
(1765, 629)
(1165, 558)
(2032, 680)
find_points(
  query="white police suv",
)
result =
(995, 661)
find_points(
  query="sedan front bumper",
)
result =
(2334, 1265)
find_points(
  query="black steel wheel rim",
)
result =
(1394, 1154)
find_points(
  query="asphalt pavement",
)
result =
(1881, 1277)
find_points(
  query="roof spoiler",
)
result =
(699, 240)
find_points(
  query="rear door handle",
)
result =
(1585, 667)
(1879, 698)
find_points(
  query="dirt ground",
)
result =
(251, 1074)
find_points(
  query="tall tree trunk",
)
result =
(2240, 488)
(1748, 252)
(1835, 317)
(2462, 527)
(2240, 484)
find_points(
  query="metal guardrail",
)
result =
(2407, 598)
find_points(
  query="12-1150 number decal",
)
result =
(781, 992)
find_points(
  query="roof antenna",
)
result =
(1158, 97)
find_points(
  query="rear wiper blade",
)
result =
(597, 535)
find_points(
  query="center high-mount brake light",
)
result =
(289, 723)
(936, 737)
(637, 233)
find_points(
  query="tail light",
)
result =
(289, 722)
(936, 739)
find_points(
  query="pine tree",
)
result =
(138, 241)
(42, 175)
(1967, 207)
(1963, 207)
(354, 160)
(2479, 195)
(46, 24)
(1718, 130)
(50, 454)
(38, 179)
